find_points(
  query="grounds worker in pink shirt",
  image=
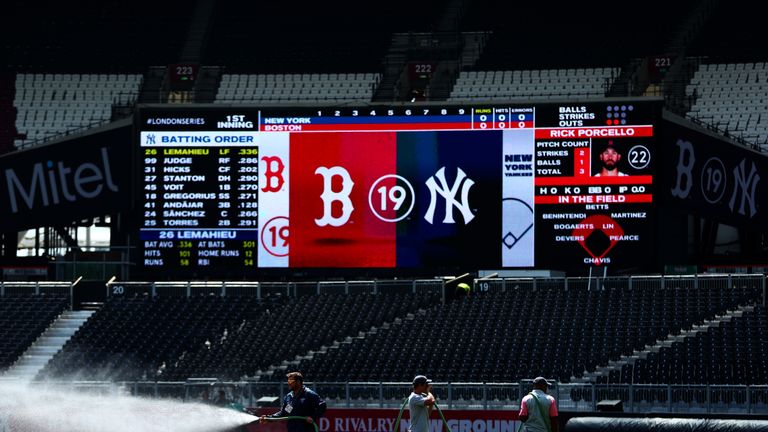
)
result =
(538, 410)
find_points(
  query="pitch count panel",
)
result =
(516, 186)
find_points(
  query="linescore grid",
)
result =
(516, 186)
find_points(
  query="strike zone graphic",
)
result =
(548, 185)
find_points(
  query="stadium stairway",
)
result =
(617, 365)
(47, 345)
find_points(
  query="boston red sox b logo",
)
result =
(273, 174)
(330, 196)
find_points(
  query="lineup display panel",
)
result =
(496, 186)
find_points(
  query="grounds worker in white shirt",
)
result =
(420, 404)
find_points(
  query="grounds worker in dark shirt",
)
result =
(301, 401)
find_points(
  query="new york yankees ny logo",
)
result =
(463, 182)
(746, 184)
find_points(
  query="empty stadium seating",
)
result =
(23, 318)
(174, 338)
(299, 326)
(513, 330)
(733, 97)
(516, 333)
(132, 338)
(732, 353)
(50, 105)
(288, 88)
(585, 83)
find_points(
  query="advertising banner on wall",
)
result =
(710, 176)
(59, 183)
(383, 420)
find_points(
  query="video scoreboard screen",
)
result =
(556, 186)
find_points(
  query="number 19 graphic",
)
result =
(274, 236)
(391, 188)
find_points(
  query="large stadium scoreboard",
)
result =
(514, 186)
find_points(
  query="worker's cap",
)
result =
(421, 379)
